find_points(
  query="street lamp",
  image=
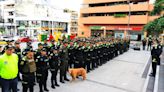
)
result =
(129, 14)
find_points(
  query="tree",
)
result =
(156, 27)
(158, 7)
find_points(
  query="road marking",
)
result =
(108, 85)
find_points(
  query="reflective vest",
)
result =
(8, 66)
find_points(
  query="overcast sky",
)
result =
(71, 4)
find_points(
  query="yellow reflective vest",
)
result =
(8, 66)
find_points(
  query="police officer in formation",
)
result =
(64, 62)
(17, 51)
(54, 66)
(42, 65)
(28, 69)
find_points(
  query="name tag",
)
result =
(5, 62)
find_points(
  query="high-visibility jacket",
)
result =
(8, 66)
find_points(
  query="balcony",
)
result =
(137, 19)
(100, 1)
(117, 8)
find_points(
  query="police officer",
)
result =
(28, 69)
(155, 53)
(150, 42)
(18, 52)
(42, 69)
(54, 66)
(71, 52)
(9, 70)
(64, 62)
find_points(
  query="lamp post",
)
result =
(129, 14)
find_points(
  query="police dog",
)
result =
(77, 72)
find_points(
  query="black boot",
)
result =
(56, 84)
(62, 81)
(66, 79)
(52, 86)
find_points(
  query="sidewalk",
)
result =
(122, 74)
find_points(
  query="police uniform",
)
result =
(64, 63)
(54, 66)
(18, 52)
(88, 58)
(28, 69)
(71, 52)
(154, 54)
(42, 70)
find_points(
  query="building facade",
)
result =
(73, 22)
(33, 17)
(118, 18)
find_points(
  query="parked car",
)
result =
(25, 39)
(135, 45)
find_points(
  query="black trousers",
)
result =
(42, 80)
(88, 65)
(149, 46)
(63, 70)
(8, 85)
(54, 76)
(143, 47)
(26, 87)
(28, 82)
(154, 67)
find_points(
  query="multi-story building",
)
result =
(32, 17)
(7, 16)
(73, 22)
(118, 18)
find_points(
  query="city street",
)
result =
(122, 74)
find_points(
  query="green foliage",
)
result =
(155, 27)
(119, 15)
(158, 7)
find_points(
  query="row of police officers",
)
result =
(59, 56)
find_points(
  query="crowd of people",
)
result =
(31, 66)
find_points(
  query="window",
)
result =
(10, 20)
(11, 13)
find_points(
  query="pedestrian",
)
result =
(150, 41)
(9, 70)
(28, 69)
(42, 69)
(144, 43)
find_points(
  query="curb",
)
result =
(146, 68)
(156, 79)
(147, 80)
